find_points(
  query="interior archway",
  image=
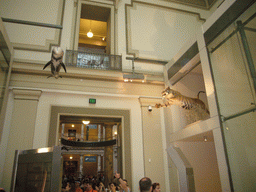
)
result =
(100, 114)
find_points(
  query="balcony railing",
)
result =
(99, 61)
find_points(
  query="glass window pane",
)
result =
(233, 58)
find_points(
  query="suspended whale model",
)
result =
(66, 142)
(56, 62)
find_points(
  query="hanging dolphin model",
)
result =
(56, 62)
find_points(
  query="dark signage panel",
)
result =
(90, 159)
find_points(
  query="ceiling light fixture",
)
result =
(86, 122)
(90, 34)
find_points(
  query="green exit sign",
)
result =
(92, 101)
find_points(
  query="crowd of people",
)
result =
(92, 184)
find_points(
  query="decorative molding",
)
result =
(110, 4)
(24, 94)
(193, 3)
(39, 48)
(133, 52)
(48, 43)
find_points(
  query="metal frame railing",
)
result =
(99, 61)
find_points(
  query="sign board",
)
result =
(90, 159)
(92, 126)
(92, 101)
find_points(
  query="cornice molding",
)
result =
(193, 3)
(25, 94)
(83, 74)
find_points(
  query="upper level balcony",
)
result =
(99, 61)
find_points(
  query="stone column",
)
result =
(104, 134)
(63, 129)
(81, 165)
(99, 163)
(119, 148)
(108, 163)
(87, 132)
(82, 132)
(99, 132)
(22, 128)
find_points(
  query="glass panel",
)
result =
(34, 172)
(37, 170)
(250, 35)
(173, 175)
(233, 58)
(231, 78)
(4, 67)
(240, 137)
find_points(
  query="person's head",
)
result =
(68, 185)
(112, 186)
(125, 183)
(145, 184)
(95, 187)
(156, 187)
(89, 187)
(101, 184)
(77, 184)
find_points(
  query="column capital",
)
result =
(27, 94)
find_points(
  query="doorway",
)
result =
(200, 152)
(95, 28)
(88, 154)
(97, 113)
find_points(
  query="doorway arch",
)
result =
(56, 111)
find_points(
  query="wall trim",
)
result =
(48, 43)
(129, 50)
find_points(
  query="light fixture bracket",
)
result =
(133, 76)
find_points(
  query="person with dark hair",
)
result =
(101, 187)
(145, 184)
(95, 186)
(123, 183)
(2, 189)
(89, 188)
(66, 187)
(112, 187)
(156, 187)
(77, 187)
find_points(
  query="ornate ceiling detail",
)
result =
(203, 4)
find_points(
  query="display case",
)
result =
(37, 170)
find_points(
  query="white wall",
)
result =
(49, 12)
(155, 29)
(48, 99)
(202, 157)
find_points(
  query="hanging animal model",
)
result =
(176, 98)
(56, 62)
